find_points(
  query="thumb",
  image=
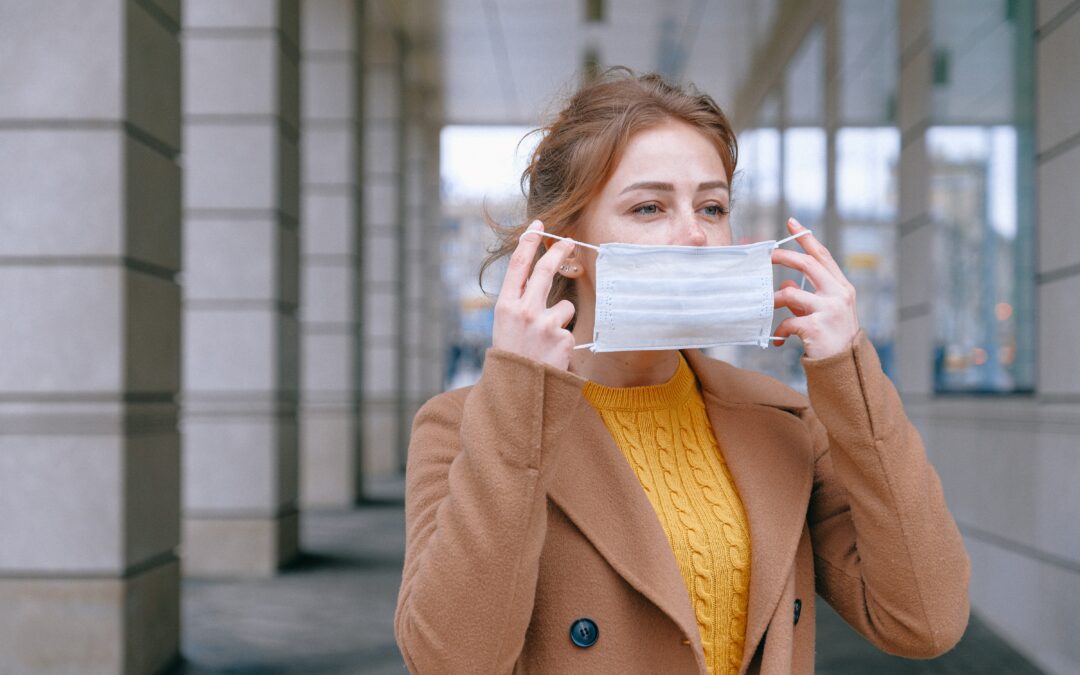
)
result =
(788, 327)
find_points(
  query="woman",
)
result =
(660, 511)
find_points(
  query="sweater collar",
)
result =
(639, 399)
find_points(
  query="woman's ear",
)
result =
(571, 267)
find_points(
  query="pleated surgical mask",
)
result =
(682, 297)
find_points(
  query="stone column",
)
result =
(89, 252)
(332, 75)
(416, 204)
(383, 249)
(1057, 165)
(424, 296)
(833, 235)
(436, 298)
(915, 241)
(241, 211)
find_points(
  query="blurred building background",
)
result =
(239, 245)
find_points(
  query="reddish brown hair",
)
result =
(580, 149)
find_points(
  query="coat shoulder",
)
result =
(446, 406)
(435, 427)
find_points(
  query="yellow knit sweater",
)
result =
(665, 434)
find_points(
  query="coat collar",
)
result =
(770, 462)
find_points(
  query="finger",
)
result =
(822, 279)
(539, 284)
(562, 312)
(815, 248)
(791, 326)
(517, 271)
(800, 302)
(788, 283)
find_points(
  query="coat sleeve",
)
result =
(887, 553)
(476, 515)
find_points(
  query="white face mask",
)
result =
(682, 297)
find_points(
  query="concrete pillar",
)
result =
(383, 249)
(415, 222)
(332, 76)
(89, 252)
(241, 214)
(424, 298)
(915, 241)
(833, 235)
(1057, 165)
(435, 298)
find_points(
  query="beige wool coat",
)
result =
(522, 516)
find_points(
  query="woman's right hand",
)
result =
(524, 324)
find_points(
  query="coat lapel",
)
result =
(598, 491)
(772, 464)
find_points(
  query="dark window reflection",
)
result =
(982, 293)
(980, 150)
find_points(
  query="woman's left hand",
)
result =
(826, 320)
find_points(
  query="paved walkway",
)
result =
(332, 613)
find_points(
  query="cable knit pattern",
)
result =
(665, 435)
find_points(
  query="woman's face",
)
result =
(670, 187)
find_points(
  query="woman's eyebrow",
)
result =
(649, 185)
(712, 185)
(668, 187)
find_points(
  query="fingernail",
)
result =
(797, 224)
(534, 225)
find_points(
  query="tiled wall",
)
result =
(1010, 466)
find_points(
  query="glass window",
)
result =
(868, 62)
(479, 168)
(756, 193)
(803, 171)
(980, 148)
(804, 155)
(783, 170)
(804, 176)
(867, 157)
(866, 205)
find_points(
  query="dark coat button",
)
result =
(798, 609)
(584, 632)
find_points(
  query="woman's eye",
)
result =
(714, 210)
(647, 210)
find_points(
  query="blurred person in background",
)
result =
(659, 511)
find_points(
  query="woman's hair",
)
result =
(580, 149)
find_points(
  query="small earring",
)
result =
(564, 268)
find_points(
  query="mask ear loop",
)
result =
(802, 284)
(575, 242)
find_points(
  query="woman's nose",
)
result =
(688, 231)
